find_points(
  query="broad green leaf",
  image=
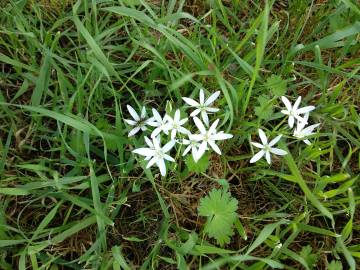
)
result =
(220, 210)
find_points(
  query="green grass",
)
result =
(73, 196)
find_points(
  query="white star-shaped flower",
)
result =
(176, 123)
(139, 121)
(156, 154)
(203, 106)
(208, 137)
(294, 112)
(161, 124)
(191, 145)
(266, 148)
(301, 132)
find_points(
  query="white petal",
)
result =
(169, 158)
(183, 130)
(308, 130)
(307, 142)
(212, 98)
(167, 119)
(194, 151)
(166, 129)
(151, 119)
(133, 113)
(130, 122)
(300, 125)
(143, 128)
(297, 103)
(149, 142)
(187, 149)
(285, 112)
(202, 96)
(153, 123)
(306, 118)
(151, 162)
(196, 137)
(275, 140)
(167, 147)
(278, 151)
(211, 109)
(201, 150)
(133, 131)
(195, 112)
(221, 136)
(262, 136)
(155, 132)
(199, 125)
(173, 134)
(182, 121)
(257, 156)
(215, 147)
(299, 118)
(143, 112)
(205, 118)
(157, 116)
(185, 141)
(286, 102)
(177, 116)
(156, 143)
(162, 167)
(212, 129)
(291, 121)
(258, 145)
(305, 109)
(144, 151)
(268, 158)
(191, 102)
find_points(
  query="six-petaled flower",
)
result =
(208, 137)
(301, 132)
(266, 148)
(161, 124)
(139, 121)
(203, 106)
(293, 111)
(176, 125)
(156, 154)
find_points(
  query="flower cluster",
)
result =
(301, 131)
(301, 115)
(174, 130)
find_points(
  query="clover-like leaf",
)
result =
(276, 85)
(335, 265)
(265, 109)
(220, 209)
(197, 167)
(309, 257)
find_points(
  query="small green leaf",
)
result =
(220, 210)
(308, 256)
(264, 110)
(335, 265)
(197, 167)
(276, 85)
